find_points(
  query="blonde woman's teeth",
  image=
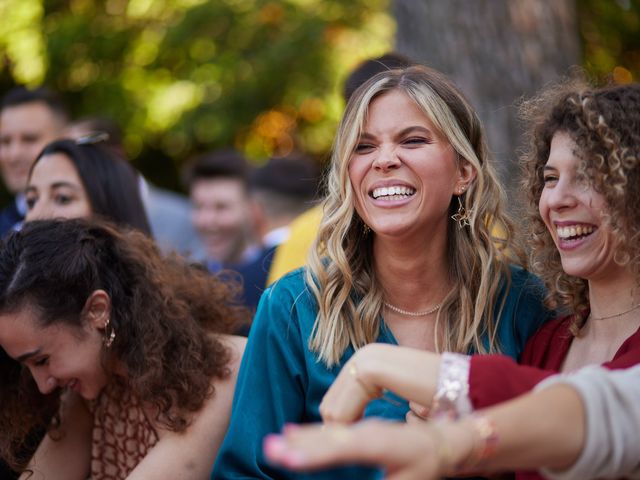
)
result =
(392, 193)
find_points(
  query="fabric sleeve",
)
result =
(269, 391)
(612, 411)
(496, 378)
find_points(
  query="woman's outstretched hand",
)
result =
(405, 451)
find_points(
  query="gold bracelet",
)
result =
(485, 443)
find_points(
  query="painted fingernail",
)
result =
(273, 446)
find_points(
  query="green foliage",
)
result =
(610, 32)
(184, 76)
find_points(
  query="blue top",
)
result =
(280, 380)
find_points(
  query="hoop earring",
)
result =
(109, 334)
(462, 216)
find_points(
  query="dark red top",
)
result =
(495, 378)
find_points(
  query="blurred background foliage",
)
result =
(186, 76)
(610, 34)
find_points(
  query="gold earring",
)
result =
(109, 337)
(462, 216)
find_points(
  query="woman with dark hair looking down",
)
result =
(120, 353)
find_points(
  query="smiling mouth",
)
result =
(574, 232)
(392, 193)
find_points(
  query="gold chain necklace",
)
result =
(616, 314)
(412, 314)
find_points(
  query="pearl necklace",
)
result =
(607, 317)
(413, 314)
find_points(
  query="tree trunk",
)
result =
(496, 51)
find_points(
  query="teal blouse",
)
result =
(281, 381)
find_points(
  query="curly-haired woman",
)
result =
(119, 352)
(582, 177)
(405, 256)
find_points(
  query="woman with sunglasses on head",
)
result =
(404, 255)
(122, 355)
(84, 179)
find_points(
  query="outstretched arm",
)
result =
(577, 426)
(544, 428)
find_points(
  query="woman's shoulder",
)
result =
(522, 278)
(236, 345)
(293, 279)
(548, 345)
(523, 289)
(287, 303)
(292, 286)
(558, 326)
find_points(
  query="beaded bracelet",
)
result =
(451, 399)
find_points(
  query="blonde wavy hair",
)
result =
(605, 125)
(341, 272)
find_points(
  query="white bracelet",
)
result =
(452, 395)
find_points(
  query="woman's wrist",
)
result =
(453, 443)
(482, 442)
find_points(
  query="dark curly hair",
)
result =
(605, 125)
(162, 310)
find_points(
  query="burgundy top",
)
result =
(495, 378)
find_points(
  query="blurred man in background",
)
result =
(222, 211)
(29, 119)
(281, 190)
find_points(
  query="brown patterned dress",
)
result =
(121, 435)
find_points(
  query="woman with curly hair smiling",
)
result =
(119, 352)
(582, 178)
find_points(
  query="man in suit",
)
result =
(29, 120)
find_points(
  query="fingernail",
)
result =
(273, 446)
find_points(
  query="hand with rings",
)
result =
(412, 452)
(350, 393)
(375, 368)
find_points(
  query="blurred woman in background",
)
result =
(81, 179)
